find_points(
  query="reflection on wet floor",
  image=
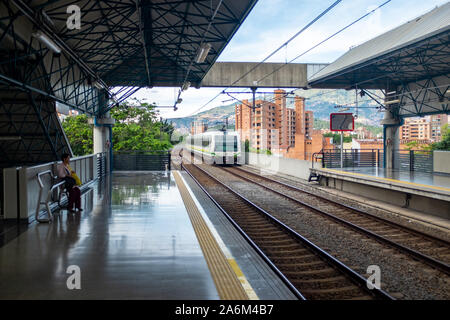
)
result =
(134, 240)
(140, 190)
(404, 175)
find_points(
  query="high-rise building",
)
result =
(436, 123)
(415, 129)
(198, 127)
(258, 126)
(275, 127)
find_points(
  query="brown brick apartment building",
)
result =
(198, 127)
(281, 130)
(428, 128)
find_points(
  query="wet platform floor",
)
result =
(137, 243)
(416, 177)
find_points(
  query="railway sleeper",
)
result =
(293, 260)
(325, 271)
(347, 292)
(278, 243)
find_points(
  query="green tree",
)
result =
(412, 145)
(138, 128)
(79, 133)
(337, 138)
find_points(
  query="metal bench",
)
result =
(49, 197)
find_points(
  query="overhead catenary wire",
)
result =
(287, 42)
(315, 46)
(326, 39)
(274, 52)
(323, 41)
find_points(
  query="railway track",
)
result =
(425, 248)
(309, 271)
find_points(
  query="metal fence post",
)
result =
(378, 157)
(411, 160)
(170, 155)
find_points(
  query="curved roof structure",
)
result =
(416, 50)
(148, 42)
(47, 61)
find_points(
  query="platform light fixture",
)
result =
(10, 138)
(98, 85)
(202, 53)
(185, 86)
(47, 41)
(392, 101)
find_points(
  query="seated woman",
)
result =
(65, 173)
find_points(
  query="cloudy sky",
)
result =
(273, 22)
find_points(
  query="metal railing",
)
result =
(28, 190)
(47, 201)
(101, 164)
(352, 158)
(414, 160)
(137, 160)
(405, 160)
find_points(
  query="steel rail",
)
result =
(345, 206)
(353, 276)
(249, 240)
(425, 258)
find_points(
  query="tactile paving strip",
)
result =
(227, 283)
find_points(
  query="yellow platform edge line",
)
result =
(233, 263)
(387, 179)
(226, 274)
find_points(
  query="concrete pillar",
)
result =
(391, 127)
(103, 138)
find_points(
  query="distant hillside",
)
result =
(325, 124)
(321, 102)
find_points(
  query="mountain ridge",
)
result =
(321, 102)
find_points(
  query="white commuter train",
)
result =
(216, 147)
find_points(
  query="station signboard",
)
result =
(342, 122)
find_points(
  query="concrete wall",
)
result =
(441, 162)
(22, 204)
(293, 167)
(439, 208)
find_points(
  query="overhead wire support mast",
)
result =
(278, 49)
(287, 42)
(323, 41)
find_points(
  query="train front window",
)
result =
(229, 144)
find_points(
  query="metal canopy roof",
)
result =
(414, 51)
(148, 42)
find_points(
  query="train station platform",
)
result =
(424, 192)
(142, 235)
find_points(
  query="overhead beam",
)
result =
(146, 33)
(266, 75)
